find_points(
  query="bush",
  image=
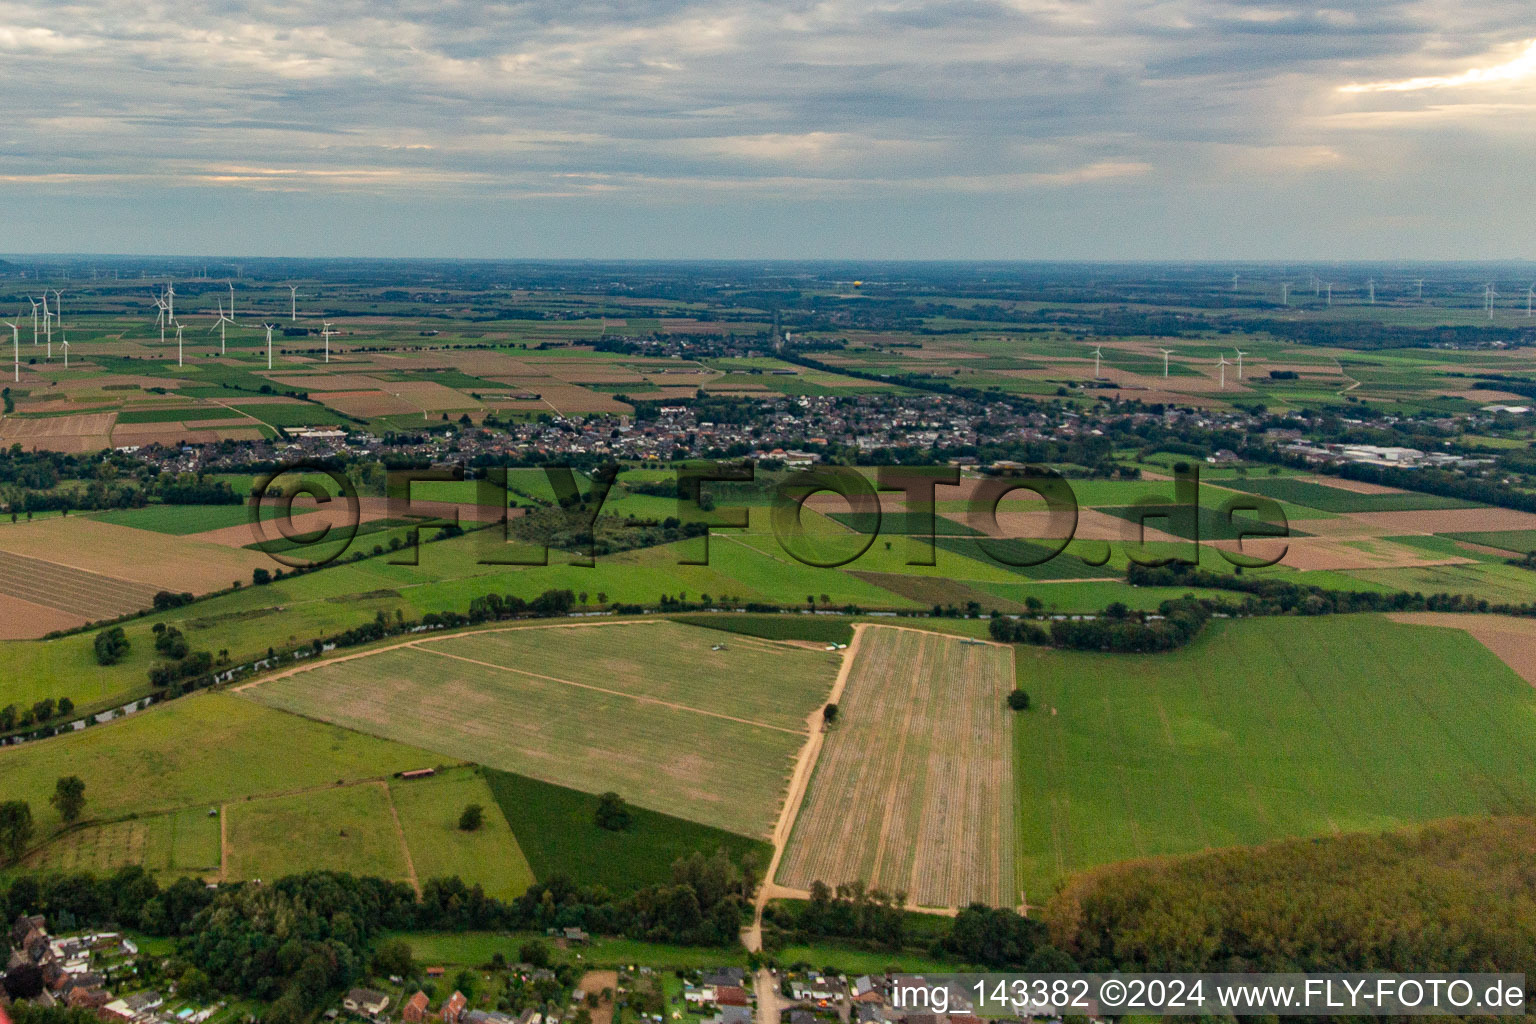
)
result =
(472, 818)
(111, 645)
(612, 813)
(1018, 700)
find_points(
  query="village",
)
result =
(105, 973)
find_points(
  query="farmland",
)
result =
(203, 750)
(595, 708)
(340, 828)
(1262, 729)
(913, 788)
(170, 845)
(490, 855)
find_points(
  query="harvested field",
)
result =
(1454, 520)
(328, 382)
(1512, 639)
(367, 404)
(154, 560)
(24, 620)
(914, 788)
(74, 592)
(71, 434)
(646, 710)
(1311, 553)
(1355, 486)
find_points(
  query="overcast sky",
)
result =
(1081, 129)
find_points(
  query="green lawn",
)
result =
(429, 812)
(556, 828)
(1261, 729)
(345, 828)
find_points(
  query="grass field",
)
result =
(912, 791)
(344, 828)
(1261, 729)
(1337, 499)
(556, 828)
(647, 710)
(429, 812)
(203, 749)
(814, 628)
(171, 846)
(1516, 542)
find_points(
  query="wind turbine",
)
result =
(1489, 294)
(170, 300)
(327, 335)
(16, 346)
(1372, 285)
(34, 318)
(1222, 362)
(231, 298)
(160, 316)
(220, 325)
(47, 324)
(1166, 353)
(1530, 295)
(269, 346)
(1285, 293)
(293, 298)
(178, 344)
(66, 351)
(1096, 356)
(1421, 289)
(1240, 354)
(1330, 293)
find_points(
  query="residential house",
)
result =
(732, 995)
(454, 1007)
(415, 1009)
(365, 1002)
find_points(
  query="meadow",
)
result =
(673, 737)
(489, 856)
(338, 828)
(204, 749)
(1262, 729)
(557, 830)
(173, 845)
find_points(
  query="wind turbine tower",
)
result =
(1097, 355)
(178, 344)
(1222, 363)
(293, 299)
(1240, 354)
(1166, 353)
(269, 346)
(326, 333)
(1285, 293)
(1372, 285)
(15, 346)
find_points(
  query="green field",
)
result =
(429, 813)
(1516, 542)
(1337, 499)
(645, 709)
(343, 828)
(815, 628)
(199, 750)
(1262, 729)
(556, 829)
(181, 843)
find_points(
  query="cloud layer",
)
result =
(954, 127)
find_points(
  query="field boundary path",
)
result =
(405, 847)
(799, 781)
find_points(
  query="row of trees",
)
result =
(40, 713)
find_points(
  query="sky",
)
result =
(953, 129)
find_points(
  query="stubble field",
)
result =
(913, 791)
(647, 710)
